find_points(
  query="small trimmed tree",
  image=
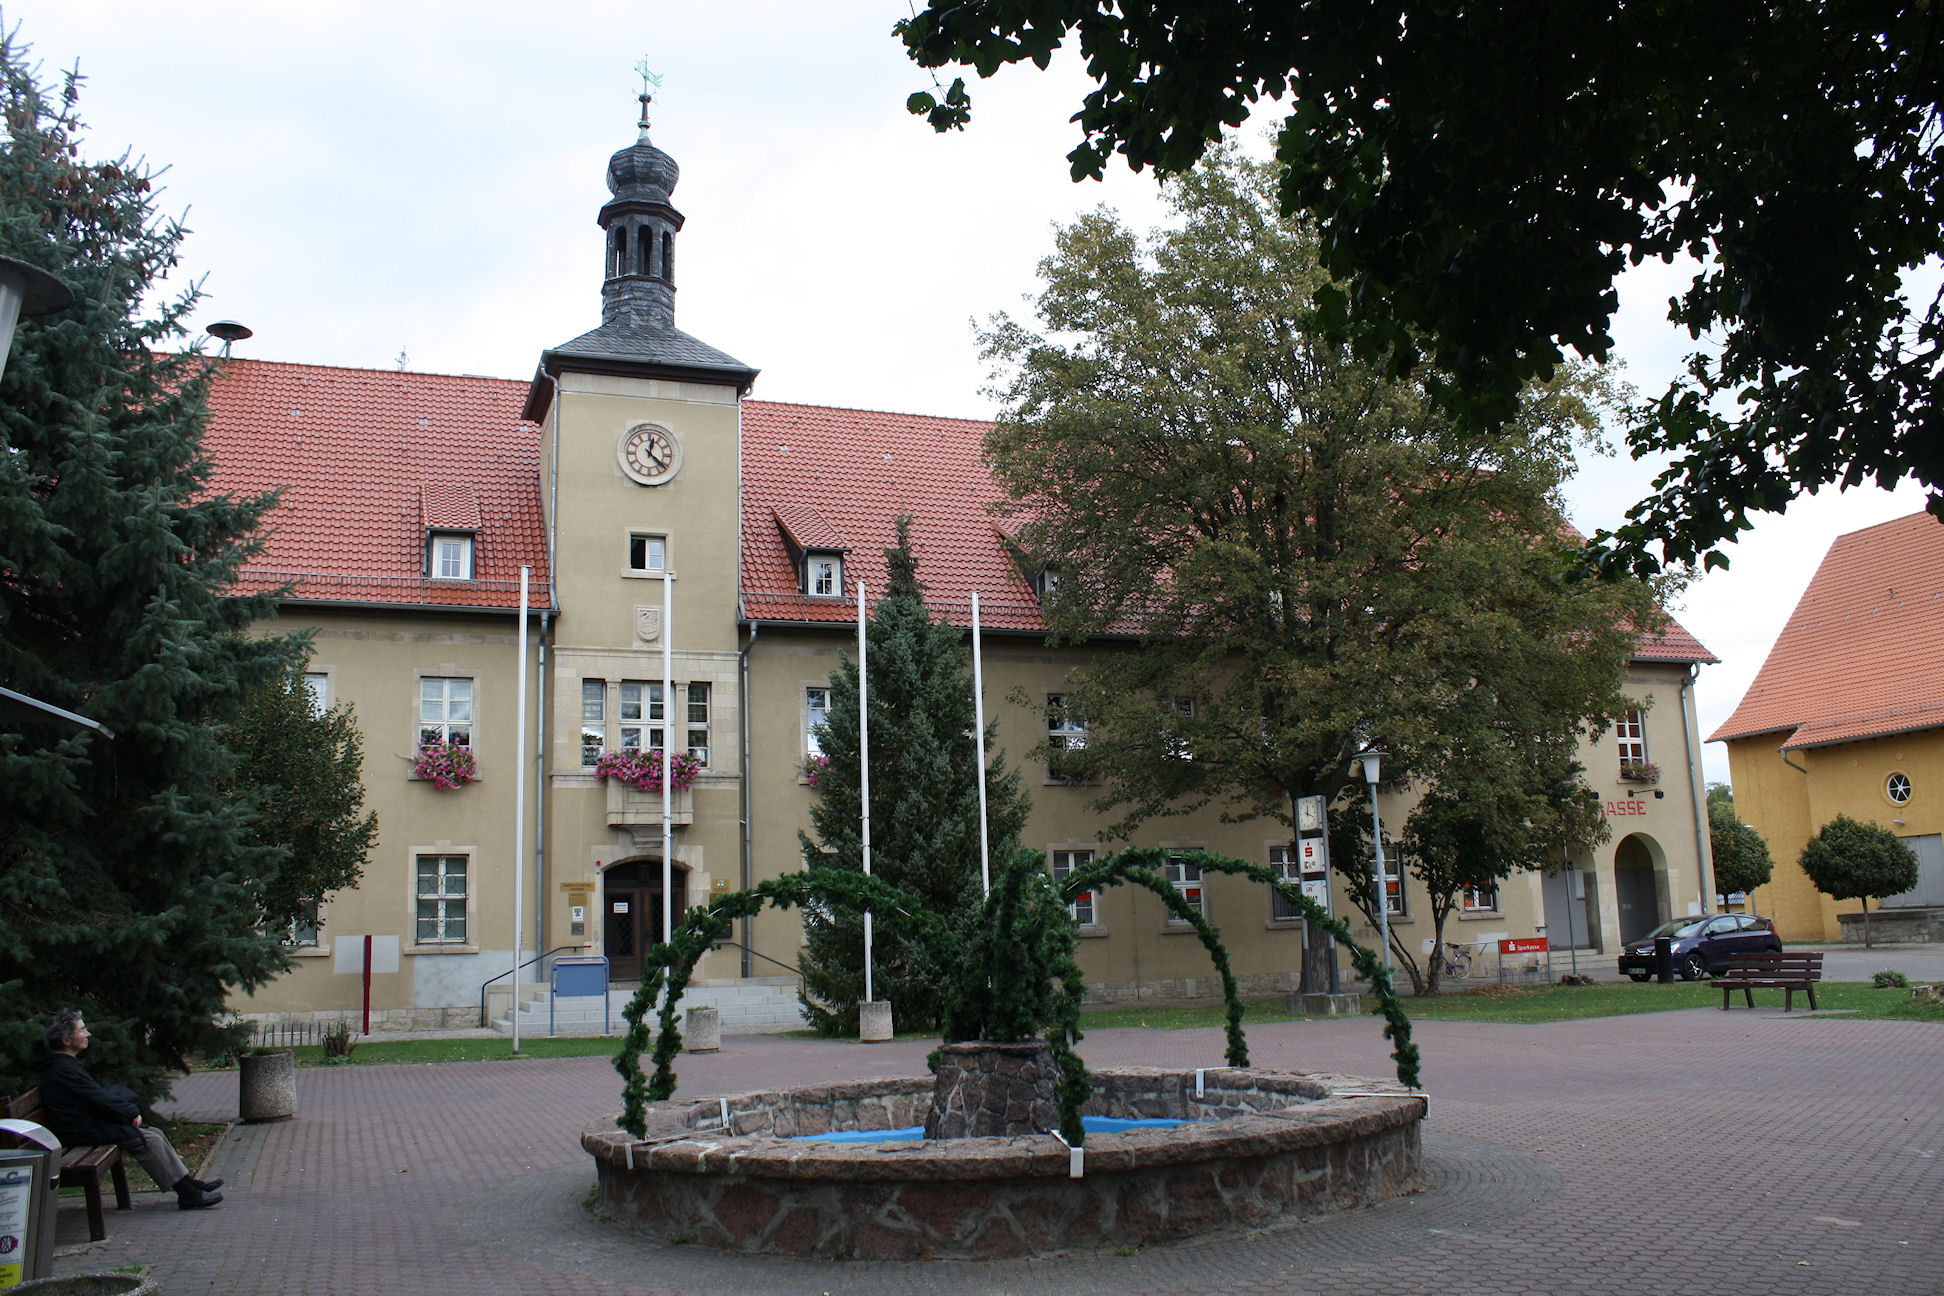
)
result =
(1849, 860)
(1741, 858)
(924, 807)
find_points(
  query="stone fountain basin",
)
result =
(1266, 1147)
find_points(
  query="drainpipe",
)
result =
(1697, 794)
(1783, 752)
(540, 789)
(748, 872)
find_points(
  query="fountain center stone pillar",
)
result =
(985, 1089)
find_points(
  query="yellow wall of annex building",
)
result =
(1788, 806)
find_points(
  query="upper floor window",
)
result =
(445, 710)
(647, 554)
(1081, 907)
(1063, 734)
(318, 685)
(698, 722)
(1631, 733)
(816, 712)
(823, 576)
(451, 556)
(641, 716)
(593, 720)
(1048, 583)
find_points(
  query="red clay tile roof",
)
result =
(858, 470)
(1862, 655)
(449, 506)
(806, 528)
(368, 459)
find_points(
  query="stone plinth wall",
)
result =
(1287, 1145)
(985, 1090)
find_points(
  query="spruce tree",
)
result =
(128, 875)
(924, 805)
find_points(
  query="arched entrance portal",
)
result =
(631, 908)
(1635, 887)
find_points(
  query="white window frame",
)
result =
(823, 575)
(456, 709)
(593, 721)
(1084, 908)
(1630, 736)
(1285, 864)
(696, 713)
(816, 711)
(318, 685)
(442, 898)
(1478, 900)
(1063, 733)
(304, 936)
(1185, 708)
(643, 730)
(1398, 906)
(449, 556)
(654, 557)
(1193, 889)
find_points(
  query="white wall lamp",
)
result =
(26, 290)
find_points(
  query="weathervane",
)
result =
(650, 83)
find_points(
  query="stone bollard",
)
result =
(874, 1020)
(704, 1031)
(266, 1085)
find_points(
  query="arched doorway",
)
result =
(631, 909)
(1635, 887)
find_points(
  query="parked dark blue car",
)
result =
(1702, 944)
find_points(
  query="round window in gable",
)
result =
(1897, 788)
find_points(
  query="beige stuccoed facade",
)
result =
(649, 497)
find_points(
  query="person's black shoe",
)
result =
(204, 1185)
(191, 1198)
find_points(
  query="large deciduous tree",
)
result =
(1851, 860)
(301, 765)
(127, 872)
(1314, 557)
(924, 806)
(1482, 173)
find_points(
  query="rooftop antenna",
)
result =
(650, 82)
(228, 332)
(404, 362)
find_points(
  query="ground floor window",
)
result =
(1282, 862)
(442, 899)
(1478, 899)
(1187, 879)
(1082, 905)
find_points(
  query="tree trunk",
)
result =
(1866, 923)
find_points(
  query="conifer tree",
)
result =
(128, 876)
(924, 805)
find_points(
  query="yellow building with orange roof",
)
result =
(1847, 717)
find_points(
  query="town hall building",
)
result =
(674, 529)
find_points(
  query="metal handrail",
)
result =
(793, 971)
(483, 1023)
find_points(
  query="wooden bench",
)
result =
(81, 1167)
(1770, 971)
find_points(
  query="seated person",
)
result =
(83, 1113)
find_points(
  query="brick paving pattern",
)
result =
(1670, 1153)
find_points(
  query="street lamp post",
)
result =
(1372, 761)
(26, 290)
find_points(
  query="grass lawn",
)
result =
(1493, 1003)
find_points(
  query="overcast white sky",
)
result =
(363, 179)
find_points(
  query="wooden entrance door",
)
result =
(631, 909)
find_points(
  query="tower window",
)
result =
(647, 245)
(668, 255)
(617, 252)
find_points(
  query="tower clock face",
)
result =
(650, 454)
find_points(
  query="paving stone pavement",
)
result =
(1693, 1151)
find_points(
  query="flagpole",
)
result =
(864, 777)
(978, 725)
(667, 771)
(519, 808)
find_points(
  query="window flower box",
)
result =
(642, 770)
(815, 766)
(445, 765)
(1640, 772)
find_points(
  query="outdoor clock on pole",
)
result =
(650, 454)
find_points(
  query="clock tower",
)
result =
(640, 429)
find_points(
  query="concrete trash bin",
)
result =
(704, 1032)
(266, 1085)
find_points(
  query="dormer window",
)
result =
(823, 575)
(449, 556)
(1048, 582)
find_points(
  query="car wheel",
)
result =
(1637, 976)
(1694, 967)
